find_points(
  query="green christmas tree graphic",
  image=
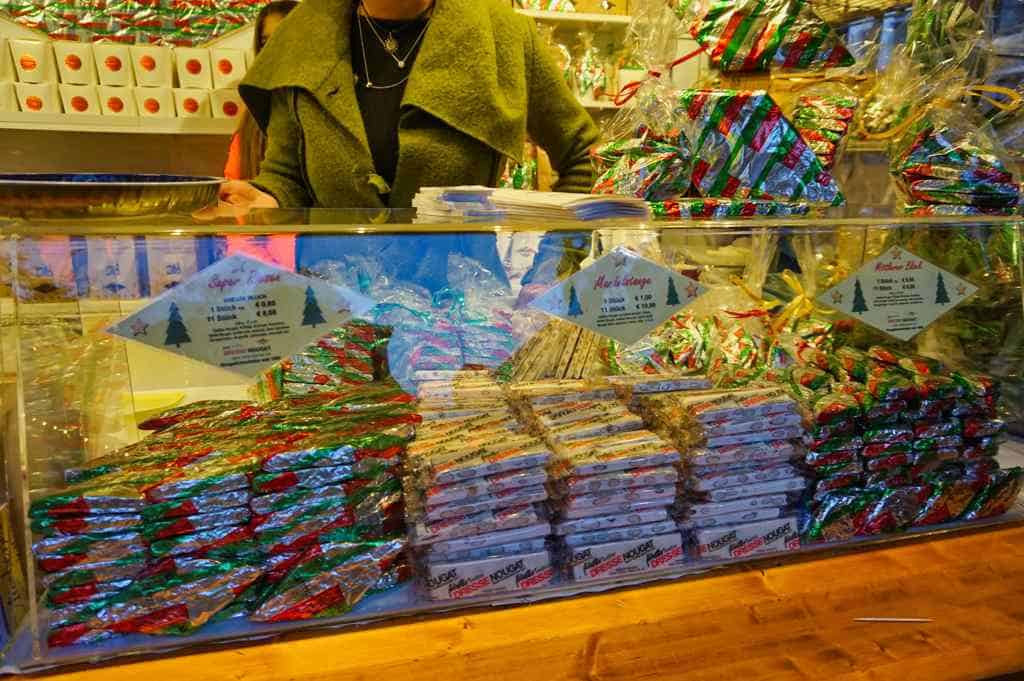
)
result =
(177, 333)
(311, 314)
(574, 303)
(941, 296)
(859, 304)
(673, 297)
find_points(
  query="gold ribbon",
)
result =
(800, 307)
(981, 91)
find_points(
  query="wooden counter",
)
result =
(779, 622)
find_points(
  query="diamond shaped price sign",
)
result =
(899, 293)
(621, 295)
(243, 315)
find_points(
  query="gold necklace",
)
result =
(370, 85)
(390, 43)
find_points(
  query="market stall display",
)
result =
(222, 509)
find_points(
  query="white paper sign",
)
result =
(899, 293)
(622, 296)
(243, 315)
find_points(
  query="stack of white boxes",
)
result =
(112, 79)
(8, 98)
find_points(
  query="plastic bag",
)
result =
(758, 35)
(949, 157)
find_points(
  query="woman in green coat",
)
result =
(366, 101)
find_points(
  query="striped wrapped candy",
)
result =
(744, 148)
(757, 35)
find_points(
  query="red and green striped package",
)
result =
(179, 608)
(110, 571)
(83, 550)
(165, 529)
(758, 35)
(328, 579)
(824, 119)
(220, 541)
(86, 524)
(745, 148)
(352, 490)
(947, 158)
(208, 503)
(709, 209)
(389, 519)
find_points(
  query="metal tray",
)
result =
(54, 196)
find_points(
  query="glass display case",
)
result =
(223, 431)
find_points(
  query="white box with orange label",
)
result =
(228, 67)
(8, 98)
(192, 103)
(33, 61)
(193, 66)
(75, 62)
(80, 99)
(113, 63)
(226, 103)
(6, 67)
(155, 102)
(38, 97)
(153, 65)
(117, 101)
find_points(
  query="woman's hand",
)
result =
(243, 195)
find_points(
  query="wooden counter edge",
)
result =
(777, 620)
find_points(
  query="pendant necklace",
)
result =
(370, 85)
(390, 43)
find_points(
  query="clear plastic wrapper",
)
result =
(701, 483)
(734, 518)
(481, 523)
(597, 523)
(767, 452)
(734, 541)
(636, 477)
(625, 558)
(607, 503)
(636, 449)
(771, 487)
(488, 539)
(483, 486)
(757, 36)
(501, 575)
(486, 552)
(474, 505)
(618, 534)
(715, 508)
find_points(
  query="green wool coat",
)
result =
(483, 80)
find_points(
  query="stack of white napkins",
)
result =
(474, 203)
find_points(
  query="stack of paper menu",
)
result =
(440, 204)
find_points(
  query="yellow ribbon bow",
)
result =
(800, 307)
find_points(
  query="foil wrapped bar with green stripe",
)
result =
(712, 208)
(745, 148)
(948, 158)
(758, 35)
(824, 120)
(328, 580)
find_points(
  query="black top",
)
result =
(380, 108)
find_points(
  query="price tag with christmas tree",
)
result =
(622, 296)
(242, 314)
(899, 293)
